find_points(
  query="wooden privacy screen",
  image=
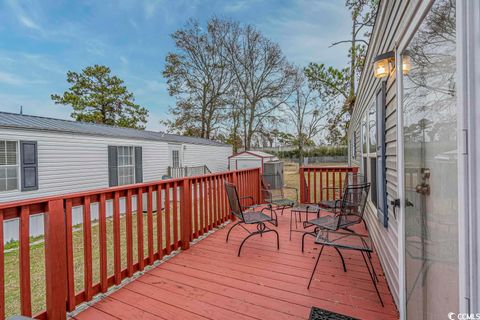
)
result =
(173, 212)
(322, 183)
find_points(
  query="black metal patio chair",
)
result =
(257, 218)
(351, 179)
(342, 240)
(275, 197)
(347, 212)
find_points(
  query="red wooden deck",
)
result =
(209, 281)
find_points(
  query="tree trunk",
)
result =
(250, 126)
(203, 115)
(235, 131)
(352, 69)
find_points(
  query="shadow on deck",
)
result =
(209, 281)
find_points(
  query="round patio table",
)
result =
(296, 215)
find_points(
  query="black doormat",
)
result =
(322, 314)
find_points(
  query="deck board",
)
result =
(209, 281)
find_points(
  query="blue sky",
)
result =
(41, 40)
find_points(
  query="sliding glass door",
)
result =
(430, 153)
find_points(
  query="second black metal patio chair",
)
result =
(351, 179)
(275, 197)
(347, 212)
(257, 218)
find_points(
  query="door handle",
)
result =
(396, 203)
(423, 189)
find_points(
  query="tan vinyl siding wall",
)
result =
(391, 22)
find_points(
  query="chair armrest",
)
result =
(331, 188)
(333, 210)
(296, 191)
(267, 194)
(337, 204)
(247, 197)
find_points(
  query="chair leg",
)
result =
(261, 231)
(278, 237)
(372, 278)
(314, 234)
(365, 223)
(296, 219)
(315, 267)
(228, 233)
(290, 236)
(341, 257)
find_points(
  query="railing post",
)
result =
(55, 260)
(302, 184)
(259, 187)
(235, 182)
(186, 214)
(2, 271)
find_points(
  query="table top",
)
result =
(345, 240)
(306, 207)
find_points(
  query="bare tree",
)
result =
(306, 113)
(199, 78)
(262, 75)
(339, 85)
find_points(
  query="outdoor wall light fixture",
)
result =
(384, 64)
(406, 64)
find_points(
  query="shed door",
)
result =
(248, 163)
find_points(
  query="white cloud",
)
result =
(150, 7)
(134, 24)
(29, 23)
(306, 33)
(13, 79)
(25, 14)
(96, 47)
(10, 79)
(235, 6)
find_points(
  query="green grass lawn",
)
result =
(37, 260)
(292, 177)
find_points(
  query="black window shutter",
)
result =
(29, 165)
(381, 187)
(112, 166)
(138, 165)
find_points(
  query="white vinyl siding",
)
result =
(72, 163)
(9, 173)
(394, 17)
(216, 158)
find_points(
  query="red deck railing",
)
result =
(191, 206)
(319, 183)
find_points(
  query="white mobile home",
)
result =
(413, 136)
(43, 156)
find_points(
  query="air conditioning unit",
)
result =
(273, 174)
